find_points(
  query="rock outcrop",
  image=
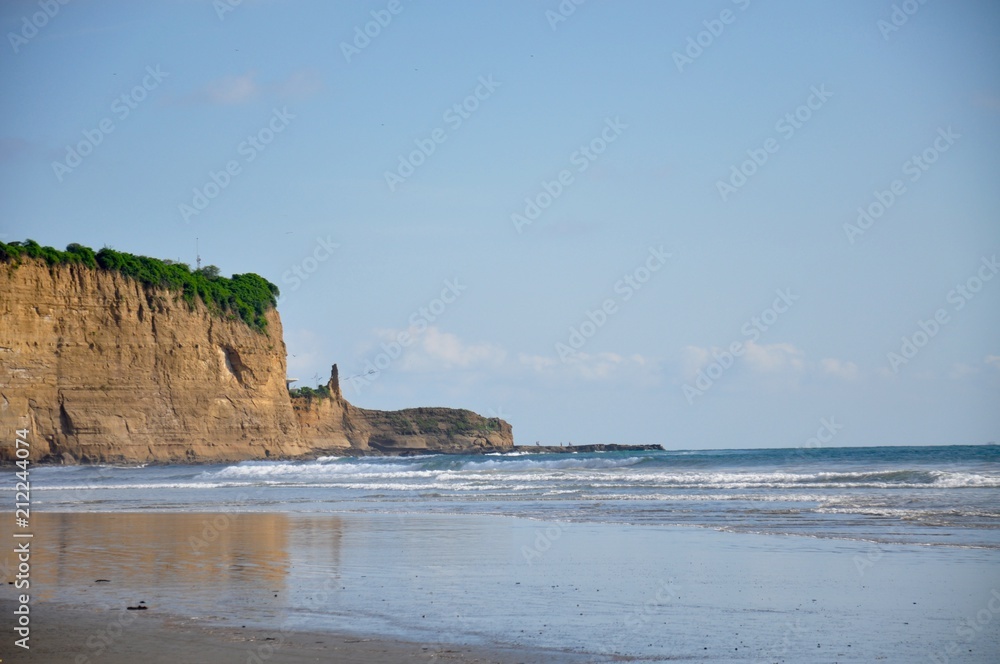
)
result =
(332, 425)
(101, 368)
(584, 449)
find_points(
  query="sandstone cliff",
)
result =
(101, 368)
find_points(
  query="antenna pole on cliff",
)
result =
(197, 253)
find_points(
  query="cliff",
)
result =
(103, 368)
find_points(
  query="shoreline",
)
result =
(86, 635)
(375, 453)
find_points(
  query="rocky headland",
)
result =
(330, 425)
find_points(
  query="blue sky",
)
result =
(695, 273)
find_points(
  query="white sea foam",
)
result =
(569, 463)
(137, 487)
(565, 474)
(954, 490)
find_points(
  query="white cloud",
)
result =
(598, 366)
(299, 85)
(537, 363)
(764, 358)
(434, 350)
(693, 360)
(839, 368)
(960, 370)
(448, 350)
(590, 366)
(229, 90)
(771, 358)
(778, 358)
(234, 90)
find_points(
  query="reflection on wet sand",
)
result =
(187, 562)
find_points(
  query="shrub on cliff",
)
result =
(75, 253)
(305, 392)
(246, 296)
(432, 420)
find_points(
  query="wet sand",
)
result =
(92, 636)
(283, 587)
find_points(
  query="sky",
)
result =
(720, 224)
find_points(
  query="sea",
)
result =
(930, 495)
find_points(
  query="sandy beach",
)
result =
(466, 588)
(88, 636)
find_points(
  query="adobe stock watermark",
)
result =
(544, 539)
(958, 297)
(562, 12)
(969, 629)
(120, 108)
(639, 621)
(223, 7)
(319, 600)
(98, 643)
(249, 150)
(828, 428)
(626, 287)
(793, 633)
(494, 416)
(418, 322)
(299, 273)
(220, 523)
(898, 17)
(708, 376)
(30, 25)
(580, 160)
(914, 168)
(364, 34)
(871, 556)
(786, 126)
(7, 571)
(714, 27)
(454, 117)
(642, 616)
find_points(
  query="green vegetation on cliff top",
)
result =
(245, 296)
(438, 420)
(319, 392)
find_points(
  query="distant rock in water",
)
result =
(104, 367)
(580, 449)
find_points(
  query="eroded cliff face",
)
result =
(102, 369)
